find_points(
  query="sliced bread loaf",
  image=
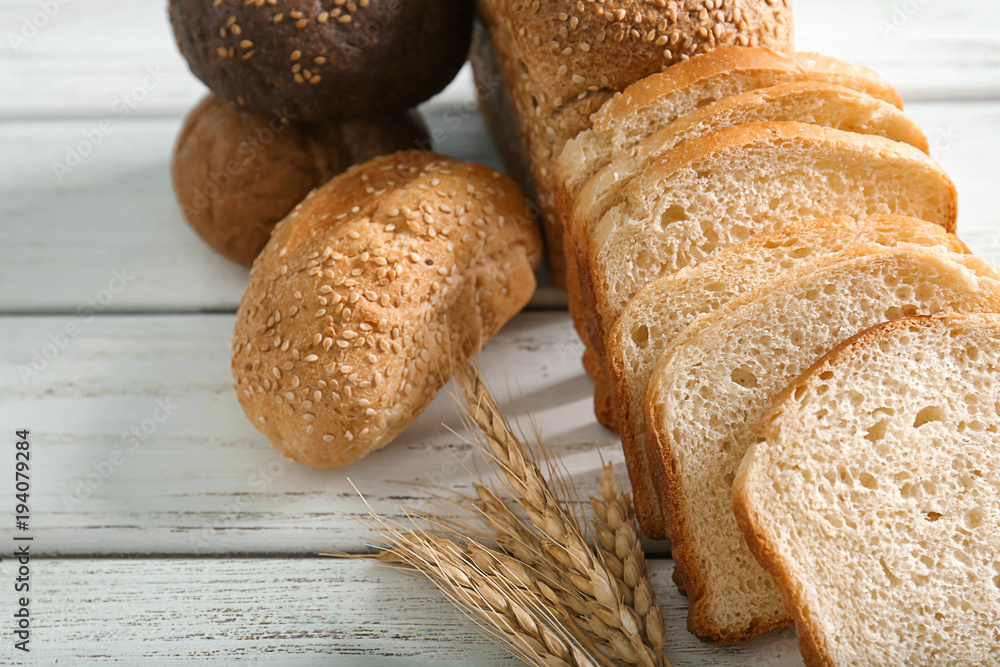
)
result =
(804, 101)
(650, 103)
(665, 307)
(810, 102)
(714, 381)
(659, 99)
(721, 189)
(874, 497)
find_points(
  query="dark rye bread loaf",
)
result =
(314, 60)
(238, 173)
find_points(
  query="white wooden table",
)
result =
(197, 542)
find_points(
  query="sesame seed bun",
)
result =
(367, 293)
(321, 61)
(238, 173)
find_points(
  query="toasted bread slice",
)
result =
(873, 498)
(665, 307)
(721, 189)
(714, 381)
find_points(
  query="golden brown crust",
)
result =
(562, 59)
(648, 508)
(367, 293)
(604, 402)
(237, 173)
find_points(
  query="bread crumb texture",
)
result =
(874, 498)
(715, 381)
(367, 293)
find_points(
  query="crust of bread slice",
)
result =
(718, 190)
(665, 307)
(711, 385)
(653, 102)
(873, 496)
(812, 102)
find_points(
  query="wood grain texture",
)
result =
(201, 481)
(307, 611)
(191, 475)
(117, 212)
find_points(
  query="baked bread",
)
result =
(366, 294)
(665, 307)
(807, 101)
(324, 61)
(811, 102)
(560, 60)
(714, 381)
(237, 173)
(723, 188)
(497, 111)
(660, 99)
(680, 91)
(873, 498)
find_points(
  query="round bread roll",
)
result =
(369, 291)
(324, 60)
(237, 173)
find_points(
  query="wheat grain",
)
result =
(562, 537)
(535, 585)
(618, 537)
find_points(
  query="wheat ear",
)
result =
(617, 533)
(562, 537)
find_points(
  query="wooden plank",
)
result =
(193, 476)
(928, 50)
(117, 212)
(69, 66)
(67, 235)
(287, 611)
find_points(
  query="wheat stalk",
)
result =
(614, 622)
(535, 586)
(495, 592)
(617, 533)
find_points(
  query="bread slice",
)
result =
(557, 62)
(721, 189)
(874, 497)
(810, 102)
(665, 307)
(714, 381)
(659, 99)
(805, 101)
